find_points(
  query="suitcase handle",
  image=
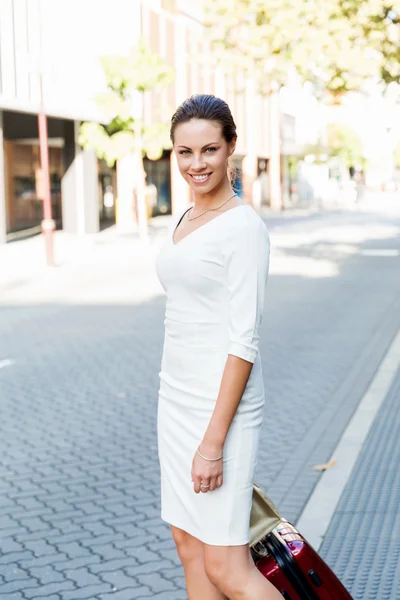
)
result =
(289, 566)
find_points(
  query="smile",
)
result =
(201, 178)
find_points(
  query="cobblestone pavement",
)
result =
(80, 351)
(363, 540)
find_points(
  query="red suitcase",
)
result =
(286, 559)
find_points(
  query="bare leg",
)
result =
(191, 553)
(233, 572)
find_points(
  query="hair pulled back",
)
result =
(209, 108)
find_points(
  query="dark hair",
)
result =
(208, 107)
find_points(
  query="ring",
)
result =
(202, 485)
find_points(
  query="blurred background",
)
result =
(314, 93)
(87, 90)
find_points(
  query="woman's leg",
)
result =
(233, 572)
(190, 551)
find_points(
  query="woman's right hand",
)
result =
(207, 473)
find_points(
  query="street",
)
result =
(80, 351)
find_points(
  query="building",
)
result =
(56, 44)
(59, 45)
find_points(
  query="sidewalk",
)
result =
(352, 516)
(362, 543)
(80, 261)
(23, 262)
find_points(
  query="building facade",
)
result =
(56, 46)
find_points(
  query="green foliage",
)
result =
(124, 132)
(336, 44)
(345, 143)
(155, 139)
(110, 148)
(142, 70)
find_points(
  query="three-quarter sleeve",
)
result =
(246, 259)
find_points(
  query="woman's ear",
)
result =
(232, 147)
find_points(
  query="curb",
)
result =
(319, 510)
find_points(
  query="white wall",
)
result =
(63, 38)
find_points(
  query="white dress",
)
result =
(215, 280)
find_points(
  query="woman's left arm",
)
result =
(246, 253)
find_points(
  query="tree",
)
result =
(124, 133)
(345, 143)
(378, 23)
(337, 44)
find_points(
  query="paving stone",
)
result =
(151, 567)
(129, 519)
(6, 522)
(11, 571)
(65, 538)
(48, 589)
(80, 476)
(34, 524)
(16, 585)
(136, 542)
(76, 563)
(108, 552)
(163, 533)
(174, 595)
(171, 555)
(102, 539)
(100, 517)
(36, 535)
(51, 597)
(148, 556)
(98, 529)
(120, 510)
(46, 574)
(128, 594)
(86, 592)
(12, 557)
(73, 550)
(156, 582)
(113, 565)
(127, 529)
(81, 577)
(8, 545)
(67, 514)
(30, 504)
(43, 561)
(171, 574)
(119, 580)
(39, 547)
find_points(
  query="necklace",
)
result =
(208, 209)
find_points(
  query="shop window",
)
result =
(158, 174)
(23, 186)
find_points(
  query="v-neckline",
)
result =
(201, 226)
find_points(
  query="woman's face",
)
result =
(202, 154)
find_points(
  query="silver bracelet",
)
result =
(210, 459)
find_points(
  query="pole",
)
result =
(275, 149)
(143, 224)
(48, 223)
(142, 220)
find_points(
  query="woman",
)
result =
(214, 268)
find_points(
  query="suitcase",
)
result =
(286, 559)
